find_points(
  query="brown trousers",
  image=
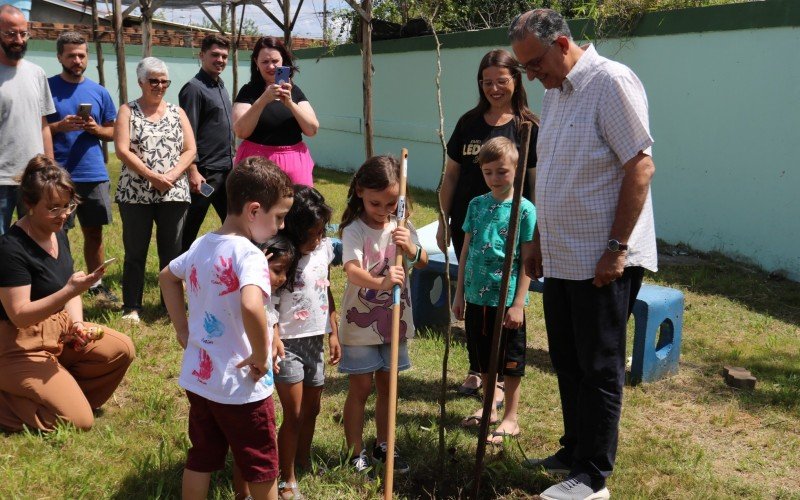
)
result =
(43, 381)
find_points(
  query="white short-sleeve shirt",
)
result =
(215, 269)
(304, 312)
(590, 127)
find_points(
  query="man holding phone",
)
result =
(85, 115)
(208, 107)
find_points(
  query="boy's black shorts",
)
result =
(479, 325)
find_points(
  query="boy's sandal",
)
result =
(289, 491)
(492, 438)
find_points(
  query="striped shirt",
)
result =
(590, 127)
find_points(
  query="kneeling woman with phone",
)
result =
(272, 114)
(53, 365)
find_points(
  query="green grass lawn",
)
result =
(686, 437)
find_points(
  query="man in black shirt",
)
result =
(208, 107)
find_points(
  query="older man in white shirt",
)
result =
(594, 237)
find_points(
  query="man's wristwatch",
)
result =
(615, 246)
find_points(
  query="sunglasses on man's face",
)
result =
(155, 82)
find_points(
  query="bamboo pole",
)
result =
(119, 42)
(511, 246)
(395, 352)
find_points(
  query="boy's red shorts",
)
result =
(248, 429)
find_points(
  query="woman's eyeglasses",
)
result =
(59, 211)
(155, 82)
(500, 82)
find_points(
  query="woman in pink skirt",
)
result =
(272, 116)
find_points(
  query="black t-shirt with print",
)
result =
(468, 137)
(277, 125)
(26, 263)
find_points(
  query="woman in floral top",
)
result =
(155, 143)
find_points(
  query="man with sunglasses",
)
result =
(25, 102)
(594, 236)
(77, 134)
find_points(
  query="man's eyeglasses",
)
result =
(155, 82)
(500, 82)
(59, 211)
(12, 34)
(536, 64)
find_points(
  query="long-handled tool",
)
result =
(396, 315)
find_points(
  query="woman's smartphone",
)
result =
(105, 264)
(206, 189)
(84, 110)
(282, 74)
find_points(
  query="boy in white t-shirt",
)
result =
(227, 367)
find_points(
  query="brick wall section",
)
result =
(133, 36)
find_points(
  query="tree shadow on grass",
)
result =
(153, 479)
(754, 289)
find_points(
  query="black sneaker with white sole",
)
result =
(361, 462)
(551, 465)
(103, 293)
(379, 454)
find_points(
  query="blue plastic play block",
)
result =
(430, 307)
(658, 316)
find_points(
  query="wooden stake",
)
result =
(511, 246)
(395, 342)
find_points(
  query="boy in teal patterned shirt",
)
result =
(479, 280)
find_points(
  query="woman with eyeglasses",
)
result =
(502, 106)
(155, 143)
(54, 366)
(272, 114)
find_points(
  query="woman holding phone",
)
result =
(54, 366)
(272, 117)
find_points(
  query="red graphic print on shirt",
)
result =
(194, 286)
(203, 372)
(226, 276)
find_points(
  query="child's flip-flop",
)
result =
(492, 439)
(474, 421)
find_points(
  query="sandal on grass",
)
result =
(474, 421)
(470, 391)
(289, 491)
(502, 435)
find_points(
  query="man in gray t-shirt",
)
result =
(25, 102)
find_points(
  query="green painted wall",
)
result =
(724, 112)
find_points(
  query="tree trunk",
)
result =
(147, 28)
(119, 42)
(366, 54)
(235, 45)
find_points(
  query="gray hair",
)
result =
(545, 24)
(150, 65)
(71, 38)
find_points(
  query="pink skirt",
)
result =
(295, 160)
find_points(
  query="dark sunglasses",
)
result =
(155, 82)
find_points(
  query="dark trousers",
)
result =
(199, 207)
(137, 227)
(586, 328)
